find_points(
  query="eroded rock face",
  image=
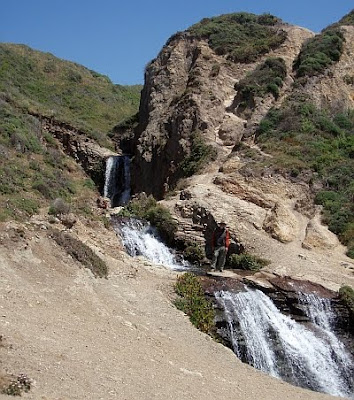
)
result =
(334, 90)
(85, 152)
(188, 89)
(281, 224)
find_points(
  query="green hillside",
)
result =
(316, 144)
(40, 83)
(33, 169)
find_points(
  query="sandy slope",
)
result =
(80, 337)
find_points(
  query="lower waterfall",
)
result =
(117, 180)
(141, 239)
(276, 344)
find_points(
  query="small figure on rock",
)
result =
(220, 244)
(102, 202)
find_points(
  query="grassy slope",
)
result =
(33, 170)
(317, 143)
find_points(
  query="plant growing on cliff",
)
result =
(21, 384)
(242, 37)
(193, 252)
(199, 155)
(323, 50)
(319, 52)
(193, 302)
(268, 77)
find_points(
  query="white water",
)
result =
(111, 165)
(279, 346)
(140, 239)
(117, 180)
(320, 313)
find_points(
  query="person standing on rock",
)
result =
(220, 244)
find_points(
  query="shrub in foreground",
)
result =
(247, 262)
(81, 252)
(193, 302)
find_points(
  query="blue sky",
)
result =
(118, 38)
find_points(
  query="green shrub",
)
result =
(319, 52)
(20, 384)
(242, 37)
(146, 207)
(350, 252)
(58, 207)
(193, 302)
(42, 188)
(194, 253)
(74, 76)
(247, 262)
(89, 183)
(200, 154)
(25, 205)
(81, 252)
(266, 78)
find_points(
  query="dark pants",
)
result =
(219, 258)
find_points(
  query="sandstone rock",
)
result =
(231, 165)
(318, 236)
(68, 220)
(281, 224)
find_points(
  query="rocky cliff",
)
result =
(189, 88)
(194, 90)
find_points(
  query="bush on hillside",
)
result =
(199, 155)
(193, 253)
(242, 37)
(59, 207)
(247, 262)
(346, 294)
(268, 77)
(193, 302)
(319, 52)
(81, 252)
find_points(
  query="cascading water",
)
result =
(281, 347)
(117, 180)
(141, 239)
(320, 313)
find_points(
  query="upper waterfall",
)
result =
(117, 180)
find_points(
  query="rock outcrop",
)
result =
(189, 89)
(183, 95)
(84, 151)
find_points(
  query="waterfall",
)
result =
(281, 347)
(320, 313)
(117, 180)
(141, 239)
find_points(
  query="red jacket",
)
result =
(217, 234)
